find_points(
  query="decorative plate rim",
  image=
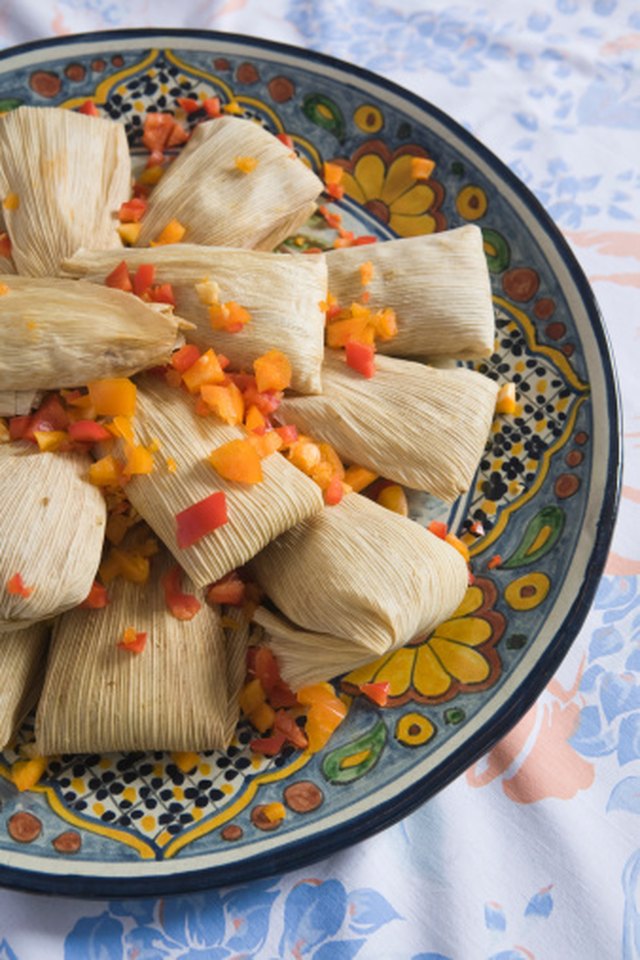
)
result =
(303, 851)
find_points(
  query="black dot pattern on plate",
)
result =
(517, 444)
(147, 793)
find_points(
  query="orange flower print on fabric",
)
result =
(382, 182)
(536, 760)
(458, 657)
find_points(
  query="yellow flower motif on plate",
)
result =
(458, 657)
(382, 182)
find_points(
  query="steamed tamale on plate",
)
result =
(544, 496)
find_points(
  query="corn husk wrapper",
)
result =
(70, 173)
(422, 427)
(175, 695)
(64, 333)
(23, 655)
(351, 584)
(52, 527)
(257, 513)
(221, 206)
(438, 285)
(282, 294)
(17, 403)
(239, 632)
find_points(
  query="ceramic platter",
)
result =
(545, 493)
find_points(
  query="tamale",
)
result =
(257, 513)
(350, 584)
(420, 426)
(65, 333)
(282, 295)
(52, 527)
(205, 190)
(23, 655)
(63, 177)
(437, 284)
(174, 695)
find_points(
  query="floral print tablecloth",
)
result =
(535, 851)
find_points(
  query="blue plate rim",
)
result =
(301, 853)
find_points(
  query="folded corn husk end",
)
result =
(64, 333)
(352, 584)
(174, 695)
(23, 657)
(52, 527)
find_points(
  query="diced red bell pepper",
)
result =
(364, 239)
(89, 108)
(265, 666)
(229, 589)
(162, 293)
(281, 695)
(96, 599)
(284, 723)
(119, 278)
(88, 431)
(51, 414)
(16, 586)
(132, 211)
(377, 692)
(157, 128)
(268, 746)
(286, 139)
(438, 528)
(182, 606)
(143, 278)
(185, 357)
(132, 641)
(267, 402)
(201, 518)
(18, 427)
(188, 104)
(334, 492)
(361, 358)
(177, 135)
(287, 433)
(5, 245)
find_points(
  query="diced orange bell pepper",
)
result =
(394, 498)
(458, 545)
(228, 316)
(265, 444)
(305, 454)
(185, 760)
(254, 420)
(245, 164)
(50, 440)
(323, 719)
(206, 369)
(334, 492)
(359, 477)
(105, 472)
(262, 717)
(112, 398)
(422, 168)
(200, 519)
(129, 233)
(25, 774)
(226, 401)
(172, 233)
(332, 173)
(316, 693)
(237, 461)
(121, 426)
(385, 323)
(131, 565)
(251, 696)
(273, 371)
(182, 606)
(358, 327)
(438, 528)
(366, 273)
(506, 400)
(139, 461)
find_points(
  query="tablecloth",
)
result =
(535, 851)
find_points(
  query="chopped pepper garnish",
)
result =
(422, 168)
(119, 278)
(201, 518)
(96, 599)
(230, 590)
(16, 587)
(11, 201)
(361, 358)
(182, 606)
(246, 164)
(133, 641)
(506, 400)
(228, 316)
(112, 398)
(172, 233)
(206, 369)
(273, 371)
(25, 774)
(238, 461)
